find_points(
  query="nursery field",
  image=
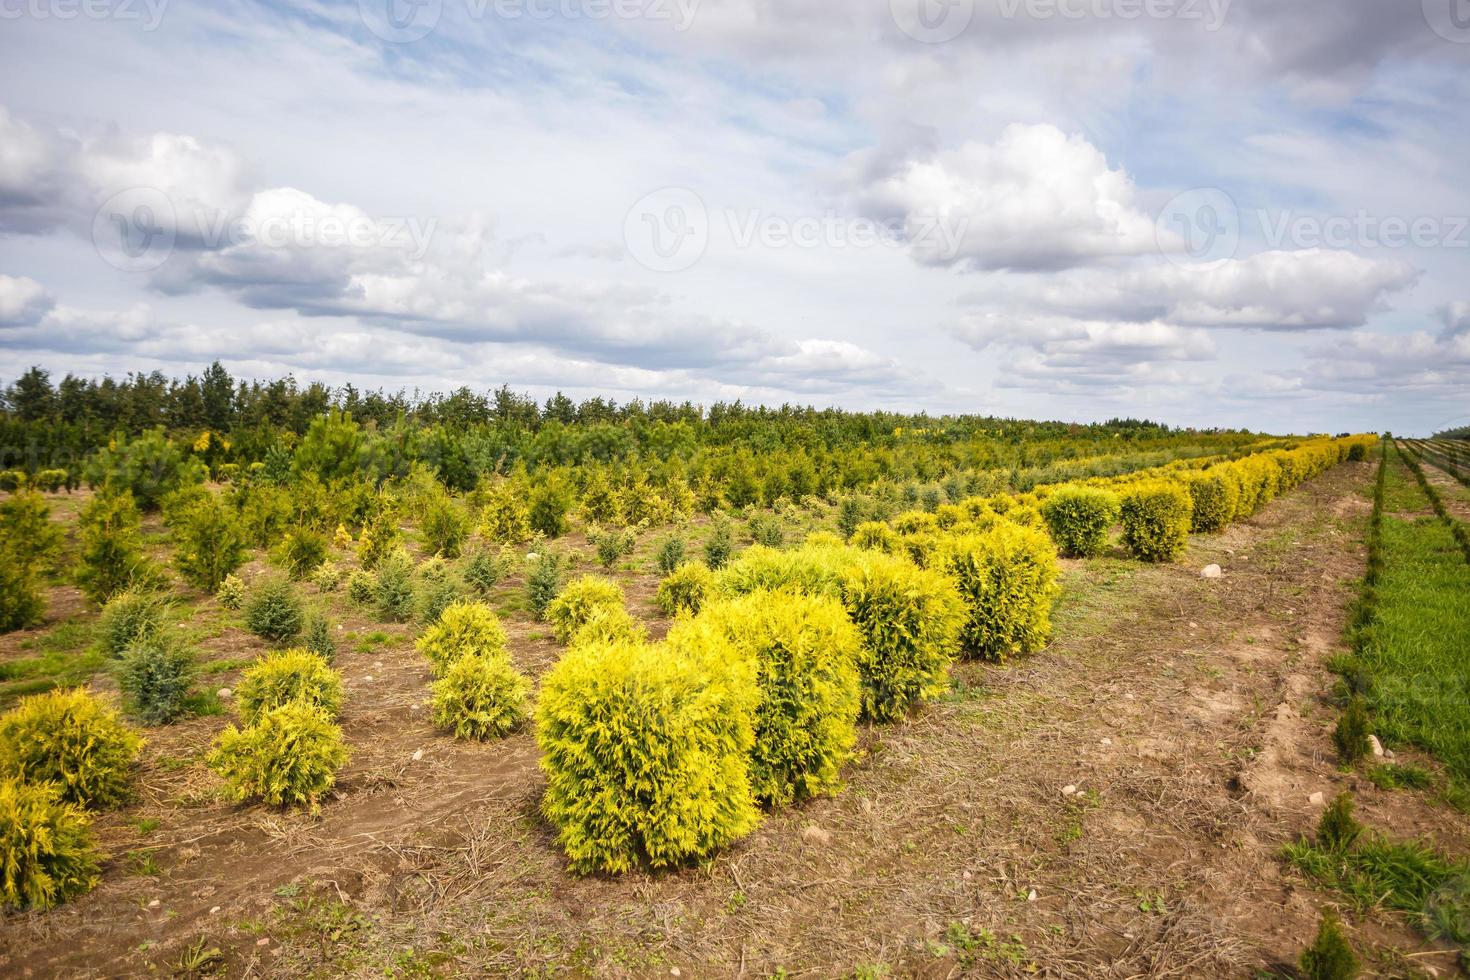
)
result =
(369, 687)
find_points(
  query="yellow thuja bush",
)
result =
(1080, 518)
(646, 754)
(812, 568)
(685, 588)
(463, 628)
(609, 624)
(1007, 577)
(288, 757)
(1156, 519)
(70, 739)
(1214, 496)
(804, 650)
(875, 536)
(290, 675)
(480, 696)
(577, 603)
(46, 852)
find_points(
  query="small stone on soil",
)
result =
(1375, 745)
(812, 834)
(1068, 790)
(215, 910)
(1211, 571)
(1031, 896)
(224, 694)
(1317, 799)
(418, 754)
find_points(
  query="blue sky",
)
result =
(1209, 212)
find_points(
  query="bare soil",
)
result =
(1114, 806)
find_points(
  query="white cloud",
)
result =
(23, 302)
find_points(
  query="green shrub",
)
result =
(504, 517)
(463, 629)
(1351, 734)
(69, 738)
(875, 536)
(273, 611)
(766, 529)
(231, 592)
(46, 851)
(720, 543)
(1214, 496)
(684, 589)
(393, 590)
(22, 604)
(288, 675)
(1357, 452)
(380, 532)
(149, 465)
(576, 603)
(611, 545)
(436, 596)
(28, 536)
(445, 526)
(910, 619)
(480, 696)
(1156, 520)
(130, 616)
(1007, 577)
(646, 756)
(1079, 519)
(362, 586)
(543, 581)
(210, 543)
(547, 509)
(804, 650)
(288, 757)
(328, 576)
(301, 551)
(155, 674)
(670, 554)
(1331, 956)
(111, 555)
(483, 571)
(12, 481)
(434, 569)
(319, 638)
(1338, 830)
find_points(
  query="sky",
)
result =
(1241, 213)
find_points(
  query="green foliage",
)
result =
(807, 569)
(328, 576)
(483, 571)
(330, 448)
(380, 532)
(480, 696)
(766, 529)
(393, 591)
(670, 554)
(28, 536)
(1007, 577)
(646, 755)
(1351, 734)
(875, 536)
(69, 738)
(547, 510)
(285, 676)
(1156, 520)
(46, 850)
(210, 543)
(301, 551)
(111, 555)
(1330, 957)
(1079, 519)
(437, 595)
(577, 603)
(445, 526)
(149, 466)
(1337, 830)
(611, 545)
(273, 611)
(804, 650)
(155, 674)
(543, 581)
(231, 592)
(130, 616)
(910, 619)
(720, 543)
(1403, 776)
(1357, 452)
(362, 586)
(319, 638)
(21, 603)
(1214, 496)
(685, 588)
(288, 757)
(464, 629)
(504, 516)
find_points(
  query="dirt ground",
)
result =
(1114, 806)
